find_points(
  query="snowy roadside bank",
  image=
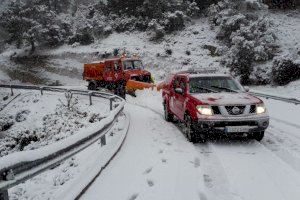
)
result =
(70, 178)
(56, 120)
(32, 120)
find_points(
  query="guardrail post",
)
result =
(4, 195)
(11, 91)
(90, 97)
(111, 103)
(41, 88)
(103, 140)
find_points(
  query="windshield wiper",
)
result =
(207, 89)
(224, 88)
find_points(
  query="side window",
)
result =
(108, 68)
(117, 66)
(176, 83)
(183, 84)
(127, 65)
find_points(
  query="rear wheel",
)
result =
(259, 135)
(168, 116)
(120, 90)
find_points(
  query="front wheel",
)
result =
(189, 129)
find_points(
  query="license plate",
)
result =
(236, 129)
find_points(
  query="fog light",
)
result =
(265, 124)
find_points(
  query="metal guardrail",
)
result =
(268, 96)
(14, 173)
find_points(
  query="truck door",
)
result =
(109, 71)
(118, 72)
(181, 97)
(172, 103)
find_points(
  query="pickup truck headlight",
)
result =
(205, 110)
(260, 109)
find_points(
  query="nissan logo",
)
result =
(236, 110)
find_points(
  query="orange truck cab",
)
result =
(134, 70)
(118, 74)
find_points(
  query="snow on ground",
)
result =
(32, 120)
(65, 64)
(226, 169)
(156, 162)
(292, 90)
(159, 163)
(287, 29)
(69, 178)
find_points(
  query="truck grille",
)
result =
(252, 109)
(216, 110)
(235, 110)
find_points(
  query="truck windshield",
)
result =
(133, 64)
(214, 84)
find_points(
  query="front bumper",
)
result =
(233, 125)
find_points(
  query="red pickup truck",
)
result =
(211, 104)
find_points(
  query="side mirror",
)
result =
(246, 88)
(178, 90)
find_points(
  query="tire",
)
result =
(168, 116)
(92, 86)
(259, 135)
(120, 90)
(189, 129)
(192, 134)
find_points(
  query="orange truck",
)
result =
(117, 74)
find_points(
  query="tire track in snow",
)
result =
(254, 172)
(283, 146)
(138, 171)
(214, 176)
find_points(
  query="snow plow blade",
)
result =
(133, 85)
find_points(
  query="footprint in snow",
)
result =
(133, 197)
(163, 160)
(207, 181)
(168, 143)
(196, 162)
(160, 151)
(202, 196)
(148, 170)
(150, 183)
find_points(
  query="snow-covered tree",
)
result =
(245, 33)
(33, 24)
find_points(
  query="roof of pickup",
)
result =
(202, 73)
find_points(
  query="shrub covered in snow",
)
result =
(34, 24)
(158, 16)
(245, 33)
(283, 4)
(285, 70)
(66, 119)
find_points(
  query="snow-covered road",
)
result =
(157, 162)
